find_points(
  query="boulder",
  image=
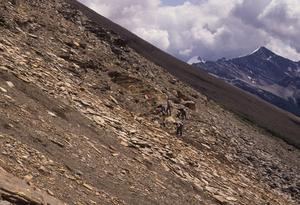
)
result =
(5, 203)
(182, 96)
(120, 42)
(189, 104)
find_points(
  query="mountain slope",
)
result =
(255, 110)
(78, 120)
(262, 73)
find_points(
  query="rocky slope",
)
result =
(259, 112)
(262, 73)
(78, 121)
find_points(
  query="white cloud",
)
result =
(282, 20)
(209, 28)
(156, 36)
(283, 49)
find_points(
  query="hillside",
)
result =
(79, 125)
(257, 111)
(262, 73)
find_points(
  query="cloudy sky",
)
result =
(211, 29)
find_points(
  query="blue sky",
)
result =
(211, 29)
(173, 2)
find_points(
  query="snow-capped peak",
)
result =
(196, 59)
(255, 50)
(259, 50)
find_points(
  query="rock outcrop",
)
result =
(16, 191)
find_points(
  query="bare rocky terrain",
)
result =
(79, 125)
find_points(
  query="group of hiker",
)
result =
(166, 110)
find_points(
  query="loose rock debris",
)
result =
(78, 121)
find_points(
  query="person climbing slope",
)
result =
(169, 107)
(179, 128)
(162, 109)
(181, 114)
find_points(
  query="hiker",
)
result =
(181, 114)
(163, 122)
(169, 107)
(162, 109)
(179, 128)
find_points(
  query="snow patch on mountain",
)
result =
(262, 72)
(196, 59)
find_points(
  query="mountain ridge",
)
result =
(264, 74)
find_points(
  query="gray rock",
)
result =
(190, 104)
(5, 203)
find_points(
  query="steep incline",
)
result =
(253, 109)
(78, 120)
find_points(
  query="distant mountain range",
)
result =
(263, 73)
